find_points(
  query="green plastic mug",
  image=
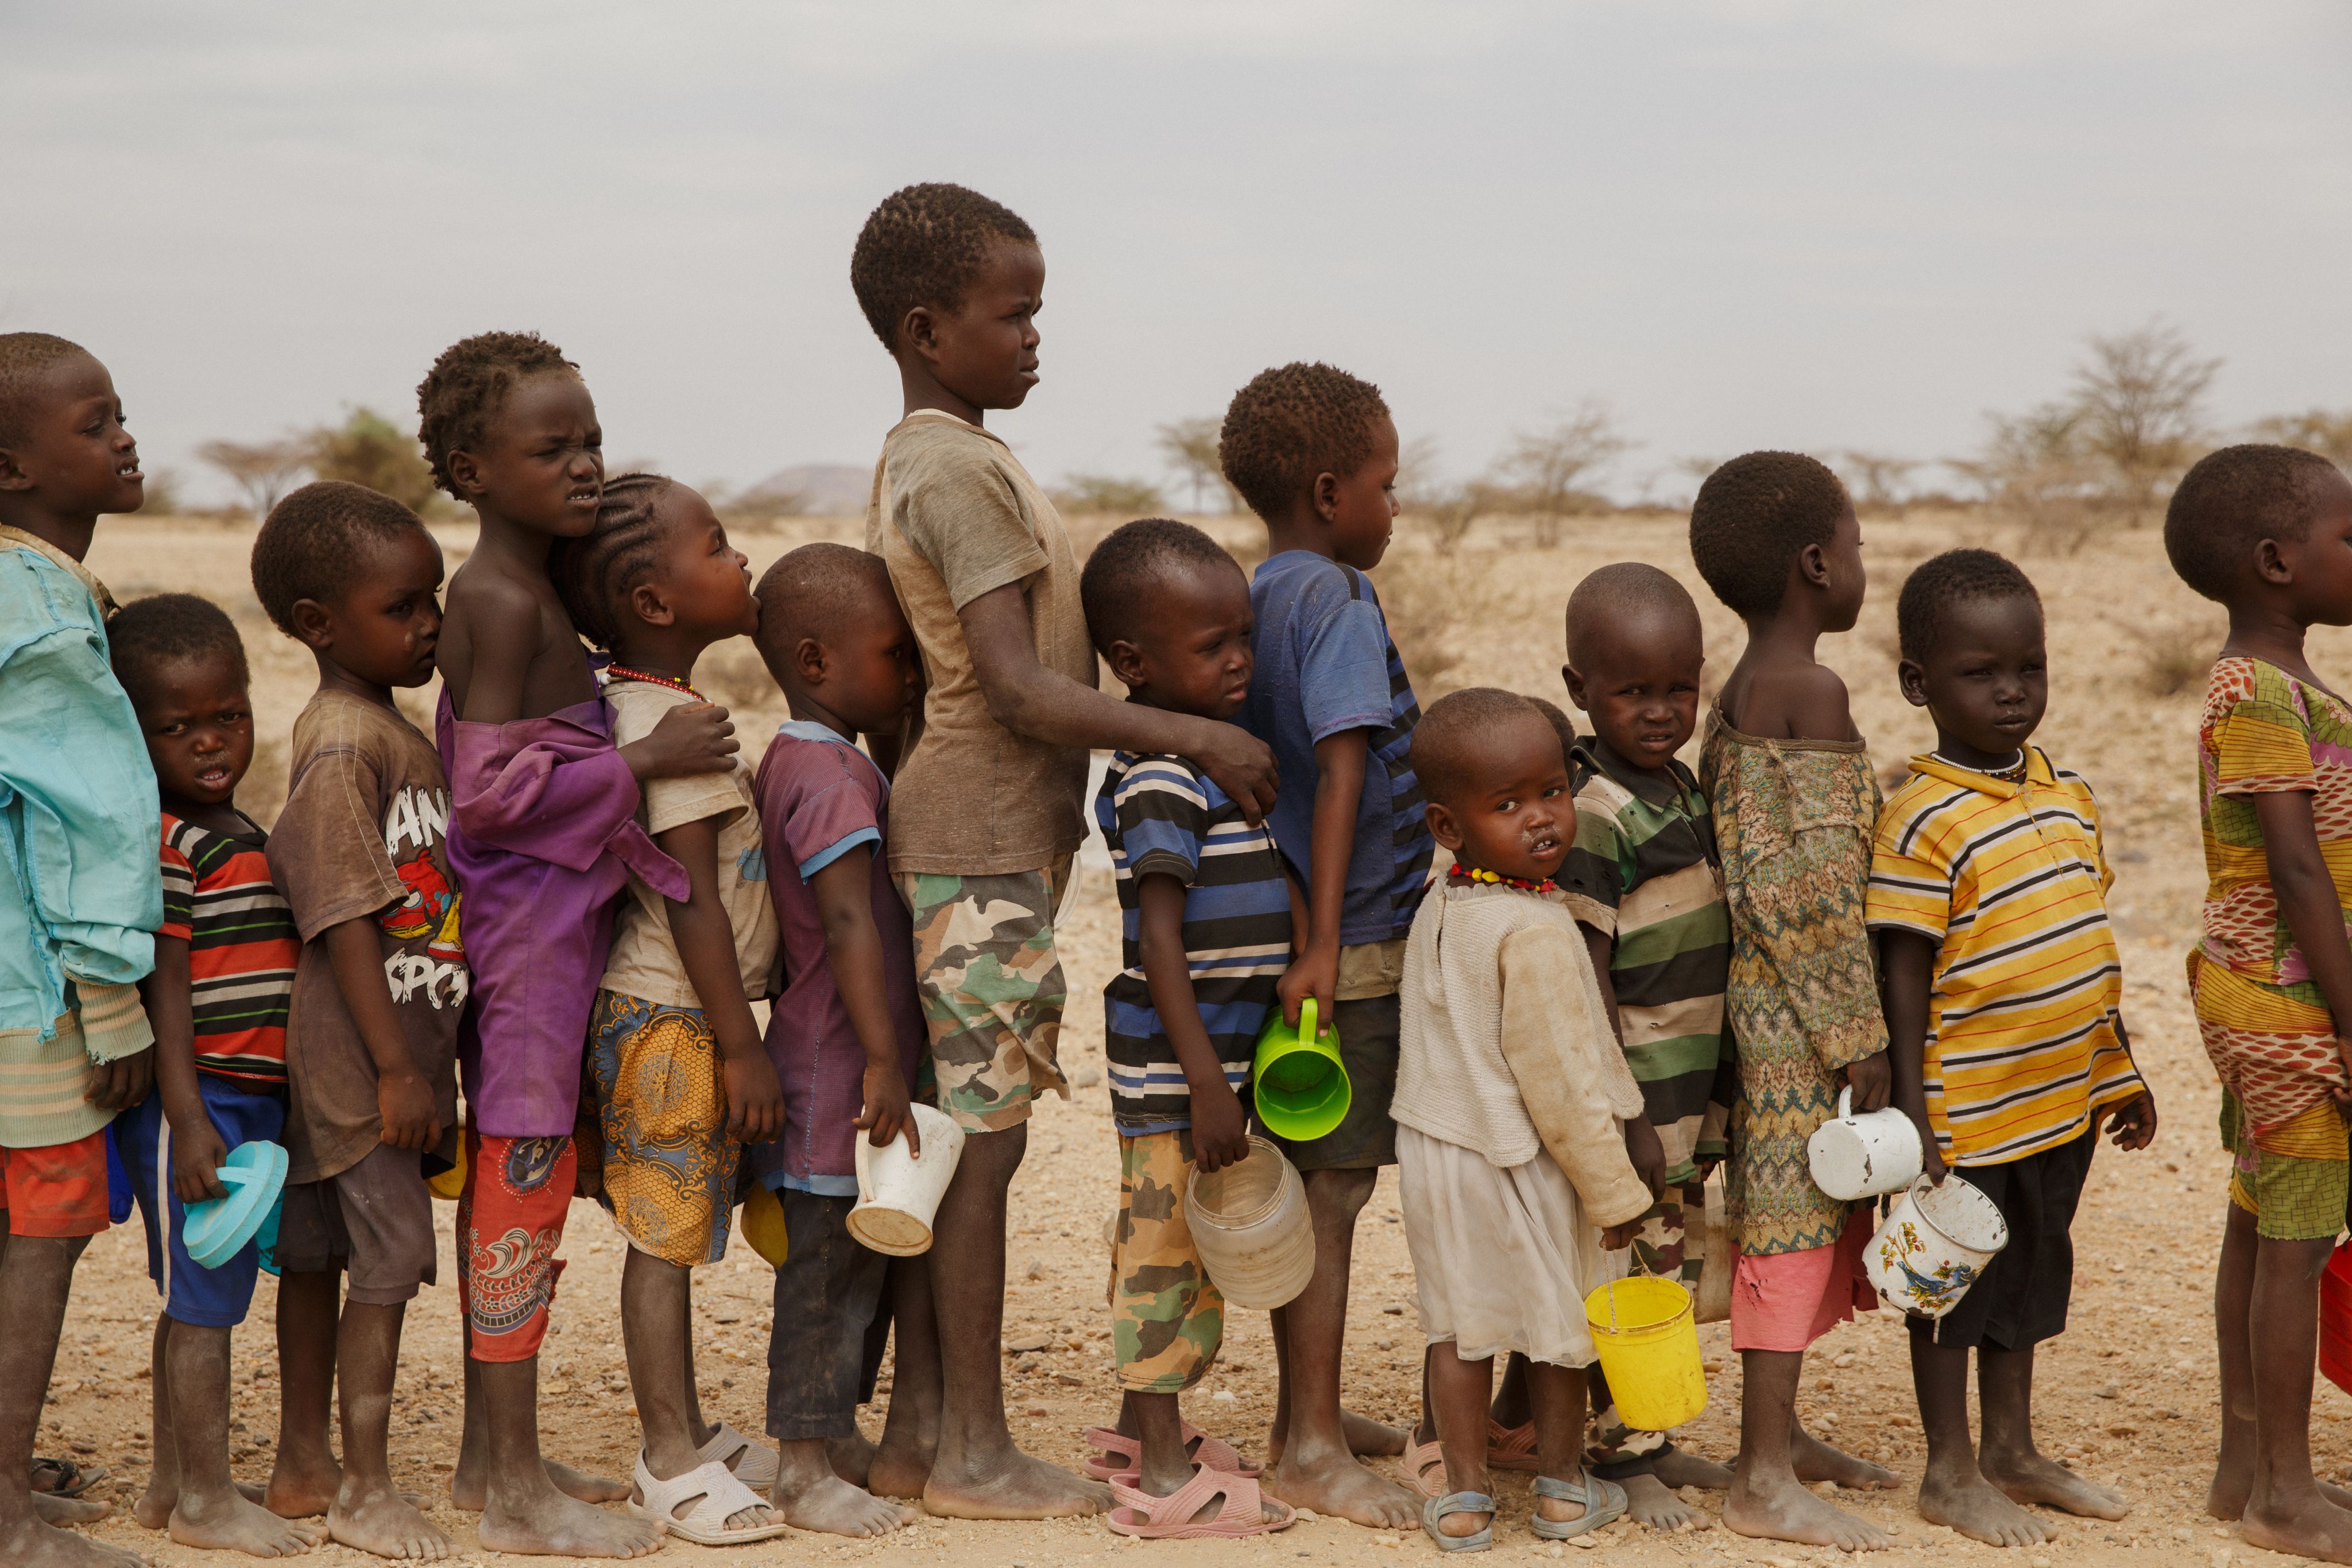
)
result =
(1302, 1088)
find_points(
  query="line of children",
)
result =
(1629, 972)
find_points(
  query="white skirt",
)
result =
(1501, 1258)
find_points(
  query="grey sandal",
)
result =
(1437, 1508)
(1603, 1501)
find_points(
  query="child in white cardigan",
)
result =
(1509, 1098)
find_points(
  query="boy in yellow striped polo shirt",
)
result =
(1987, 892)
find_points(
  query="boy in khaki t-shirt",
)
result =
(985, 815)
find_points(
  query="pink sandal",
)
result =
(1511, 1448)
(1424, 1465)
(1242, 1511)
(1126, 1454)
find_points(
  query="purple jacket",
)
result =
(542, 836)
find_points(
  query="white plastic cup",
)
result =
(1250, 1225)
(1857, 1157)
(899, 1193)
(1934, 1245)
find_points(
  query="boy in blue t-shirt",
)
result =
(1205, 915)
(1314, 452)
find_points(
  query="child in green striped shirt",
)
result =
(1643, 881)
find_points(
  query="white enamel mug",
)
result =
(1856, 1157)
(1935, 1243)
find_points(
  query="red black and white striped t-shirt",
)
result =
(242, 948)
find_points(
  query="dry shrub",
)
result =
(1430, 602)
(2174, 655)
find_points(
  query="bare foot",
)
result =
(1341, 1487)
(1976, 1508)
(2317, 1528)
(1017, 1486)
(2030, 1478)
(1680, 1468)
(386, 1523)
(67, 1511)
(2226, 1497)
(1648, 1500)
(239, 1524)
(152, 1510)
(1780, 1510)
(899, 1469)
(1815, 1462)
(852, 1457)
(831, 1506)
(298, 1490)
(555, 1524)
(35, 1545)
(1367, 1438)
(468, 1489)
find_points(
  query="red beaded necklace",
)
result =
(618, 671)
(1458, 872)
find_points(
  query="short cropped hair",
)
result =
(24, 359)
(1455, 733)
(1561, 725)
(2233, 499)
(594, 574)
(166, 626)
(1754, 516)
(1136, 558)
(1291, 424)
(1956, 577)
(923, 245)
(1620, 593)
(310, 545)
(810, 593)
(466, 385)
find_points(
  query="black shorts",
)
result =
(1369, 1032)
(2020, 1298)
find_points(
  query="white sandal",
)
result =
(720, 1496)
(754, 1464)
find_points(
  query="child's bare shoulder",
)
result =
(1796, 699)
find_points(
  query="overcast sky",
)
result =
(1825, 226)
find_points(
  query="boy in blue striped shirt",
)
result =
(1205, 915)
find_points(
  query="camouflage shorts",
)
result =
(1166, 1319)
(1660, 1250)
(992, 990)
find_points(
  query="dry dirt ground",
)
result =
(2128, 1396)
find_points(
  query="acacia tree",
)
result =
(263, 470)
(2315, 429)
(369, 449)
(1879, 479)
(1190, 448)
(1551, 468)
(2140, 400)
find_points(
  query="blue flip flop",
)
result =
(1437, 1508)
(1603, 1501)
(217, 1228)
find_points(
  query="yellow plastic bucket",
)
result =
(1648, 1338)
(1302, 1089)
(450, 1185)
(762, 1224)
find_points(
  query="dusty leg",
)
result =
(1765, 1497)
(524, 1513)
(2285, 1511)
(469, 1485)
(370, 1511)
(976, 1471)
(657, 1334)
(1318, 1469)
(209, 1510)
(153, 1508)
(305, 1478)
(1953, 1490)
(910, 1431)
(2011, 1462)
(36, 1277)
(1166, 1463)
(1556, 1397)
(1458, 1393)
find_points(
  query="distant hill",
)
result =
(824, 489)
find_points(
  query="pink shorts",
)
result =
(1786, 1301)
